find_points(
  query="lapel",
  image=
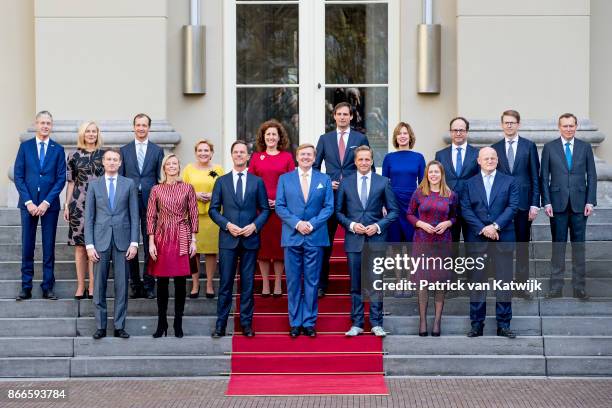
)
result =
(448, 155)
(147, 158)
(102, 185)
(482, 191)
(229, 180)
(576, 153)
(373, 185)
(314, 182)
(333, 139)
(469, 158)
(560, 148)
(33, 147)
(350, 141)
(494, 188)
(503, 158)
(119, 189)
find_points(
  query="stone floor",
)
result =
(405, 392)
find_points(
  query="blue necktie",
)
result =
(459, 162)
(111, 193)
(239, 195)
(568, 155)
(488, 188)
(364, 191)
(42, 154)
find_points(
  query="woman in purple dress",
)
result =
(432, 211)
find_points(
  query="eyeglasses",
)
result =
(458, 131)
(510, 123)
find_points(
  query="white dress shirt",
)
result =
(563, 142)
(514, 144)
(244, 179)
(454, 154)
(144, 145)
(46, 142)
(368, 184)
(308, 181)
(344, 137)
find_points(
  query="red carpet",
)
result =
(272, 363)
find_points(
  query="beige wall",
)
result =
(532, 56)
(17, 85)
(601, 73)
(101, 59)
(428, 114)
(196, 116)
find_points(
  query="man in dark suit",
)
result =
(239, 206)
(141, 161)
(518, 157)
(359, 208)
(336, 149)
(459, 161)
(304, 202)
(569, 193)
(40, 175)
(111, 233)
(488, 203)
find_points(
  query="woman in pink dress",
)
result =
(269, 162)
(172, 224)
(432, 211)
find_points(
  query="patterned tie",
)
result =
(511, 155)
(364, 191)
(42, 154)
(488, 188)
(140, 156)
(568, 155)
(459, 161)
(341, 146)
(239, 195)
(305, 186)
(111, 193)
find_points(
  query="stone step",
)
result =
(460, 325)
(12, 234)
(35, 367)
(38, 327)
(34, 308)
(575, 307)
(12, 216)
(147, 307)
(578, 345)
(462, 345)
(594, 250)
(579, 366)
(145, 326)
(36, 347)
(149, 366)
(147, 346)
(465, 365)
(594, 232)
(600, 215)
(577, 326)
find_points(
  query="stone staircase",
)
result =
(559, 337)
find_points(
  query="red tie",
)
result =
(341, 147)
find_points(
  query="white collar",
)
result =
(235, 173)
(38, 141)
(485, 175)
(463, 146)
(514, 139)
(146, 141)
(563, 141)
(107, 177)
(368, 174)
(302, 172)
(339, 132)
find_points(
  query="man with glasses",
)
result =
(460, 164)
(569, 193)
(518, 157)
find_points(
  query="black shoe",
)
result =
(24, 295)
(150, 294)
(580, 294)
(310, 331)
(295, 331)
(88, 294)
(48, 294)
(210, 295)
(178, 328)
(194, 295)
(218, 333)
(121, 333)
(523, 294)
(423, 334)
(552, 294)
(320, 293)
(248, 331)
(506, 332)
(99, 334)
(476, 331)
(162, 329)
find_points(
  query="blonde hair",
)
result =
(81, 135)
(162, 173)
(411, 136)
(204, 141)
(425, 188)
(305, 146)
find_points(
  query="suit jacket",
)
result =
(34, 183)
(469, 169)
(526, 170)
(561, 185)
(327, 149)
(254, 209)
(150, 169)
(501, 209)
(291, 208)
(349, 209)
(101, 223)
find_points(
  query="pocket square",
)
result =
(319, 186)
(353, 147)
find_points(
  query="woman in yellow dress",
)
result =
(202, 175)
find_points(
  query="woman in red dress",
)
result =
(270, 161)
(172, 224)
(432, 211)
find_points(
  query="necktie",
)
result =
(111, 193)
(341, 146)
(140, 156)
(511, 155)
(42, 154)
(459, 165)
(364, 191)
(305, 186)
(568, 155)
(239, 195)
(488, 188)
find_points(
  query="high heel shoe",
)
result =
(83, 296)
(210, 295)
(436, 333)
(178, 326)
(162, 329)
(423, 334)
(195, 295)
(89, 294)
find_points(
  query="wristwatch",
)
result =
(496, 226)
